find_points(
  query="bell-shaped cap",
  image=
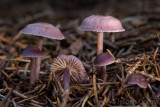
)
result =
(99, 23)
(31, 52)
(44, 30)
(104, 59)
(75, 66)
(137, 79)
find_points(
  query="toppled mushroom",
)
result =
(101, 24)
(137, 79)
(103, 59)
(32, 52)
(69, 69)
(42, 30)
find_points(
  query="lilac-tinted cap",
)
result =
(44, 30)
(104, 59)
(31, 52)
(137, 79)
(99, 23)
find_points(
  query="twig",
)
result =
(23, 96)
(90, 103)
(5, 99)
(35, 105)
(104, 101)
(29, 98)
(86, 98)
(147, 75)
(14, 103)
(95, 88)
(105, 91)
(20, 60)
(134, 68)
(102, 84)
(49, 101)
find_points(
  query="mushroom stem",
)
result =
(99, 43)
(38, 59)
(32, 73)
(136, 91)
(101, 71)
(66, 80)
(66, 86)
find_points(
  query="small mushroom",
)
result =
(101, 24)
(68, 69)
(137, 79)
(32, 52)
(103, 59)
(140, 82)
(42, 30)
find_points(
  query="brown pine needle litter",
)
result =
(136, 51)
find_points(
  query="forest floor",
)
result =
(136, 49)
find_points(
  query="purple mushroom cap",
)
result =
(99, 23)
(31, 52)
(104, 59)
(44, 30)
(137, 79)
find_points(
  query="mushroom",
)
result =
(138, 80)
(42, 30)
(101, 24)
(103, 59)
(32, 52)
(68, 69)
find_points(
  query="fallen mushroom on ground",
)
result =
(69, 69)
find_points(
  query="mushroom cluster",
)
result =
(68, 68)
(100, 24)
(45, 30)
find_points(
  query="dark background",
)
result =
(79, 8)
(140, 18)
